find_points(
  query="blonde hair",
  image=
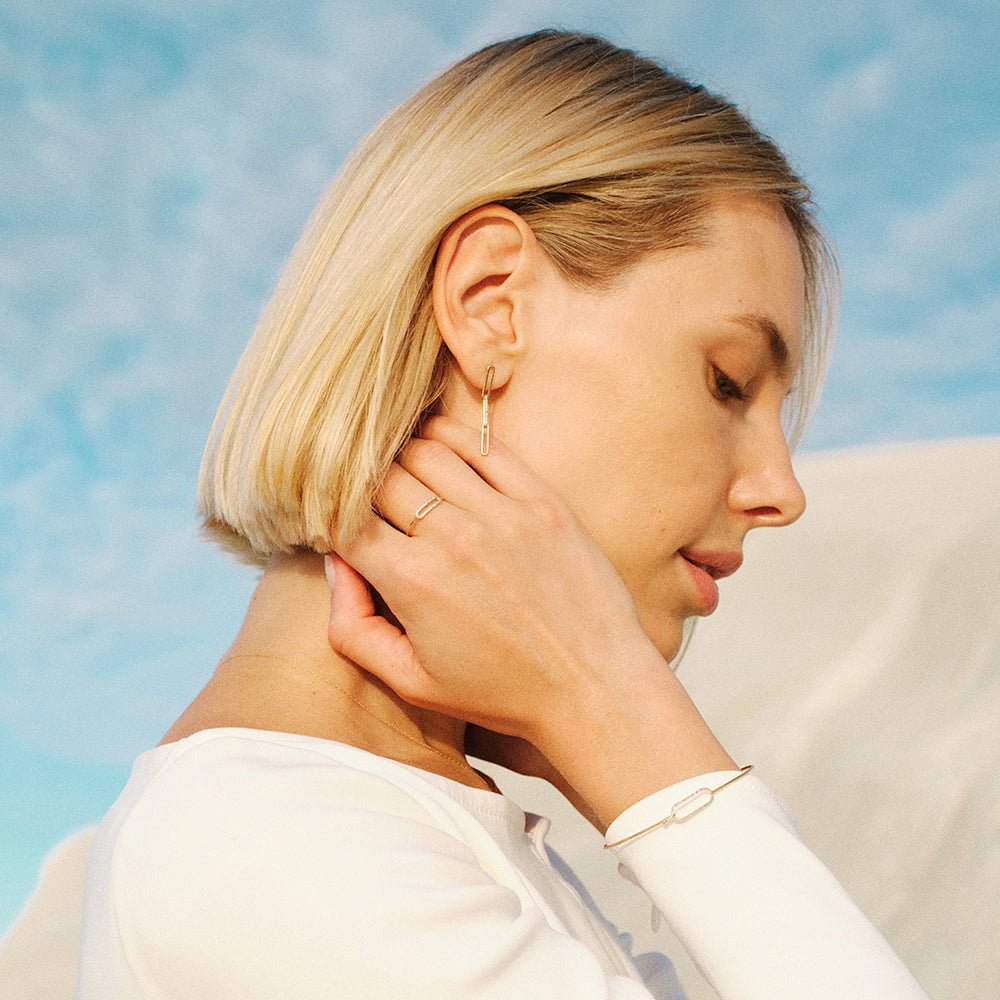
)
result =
(605, 154)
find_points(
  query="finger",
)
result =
(350, 594)
(383, 557)
(404, 501)
(369, 640)
(501, 469)
(446, 474)
(374, 554)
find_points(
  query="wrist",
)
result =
(616, 747)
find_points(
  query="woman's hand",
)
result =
(515, 621)
(501, 574)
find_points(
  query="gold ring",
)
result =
(422, 511)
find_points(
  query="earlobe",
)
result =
(479, 277)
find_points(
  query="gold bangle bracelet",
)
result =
(687, 807)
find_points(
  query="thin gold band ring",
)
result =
(422, 511)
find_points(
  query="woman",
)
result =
(554, 322)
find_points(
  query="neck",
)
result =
(281, 674)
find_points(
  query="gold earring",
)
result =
(484, 442)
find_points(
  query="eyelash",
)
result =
(728, 389)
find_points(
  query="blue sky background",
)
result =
(160, 158)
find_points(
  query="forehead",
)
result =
(745, 272)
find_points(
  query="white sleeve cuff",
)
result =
(759, 913)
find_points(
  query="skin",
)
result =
(541, 600)
(626, 381)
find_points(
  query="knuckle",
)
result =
(338, 633)
(468, 536)
(409, 568)
(549, 513)
(432, 452)
(424, 454)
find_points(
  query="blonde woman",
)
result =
(555, 323)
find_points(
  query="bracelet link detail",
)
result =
(692, 805)
(686, 808)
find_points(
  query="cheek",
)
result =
(584, 446)
(643, 496)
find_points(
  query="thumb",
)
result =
(350, 596)
(368, 639)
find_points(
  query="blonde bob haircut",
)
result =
(605, 154)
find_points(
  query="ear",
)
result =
(481, 274)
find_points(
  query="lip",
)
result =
(706, 567)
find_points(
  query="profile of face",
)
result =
(652, 406)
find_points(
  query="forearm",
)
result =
(759, 913)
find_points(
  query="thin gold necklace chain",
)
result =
(461, 761)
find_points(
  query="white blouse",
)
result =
(251, 864)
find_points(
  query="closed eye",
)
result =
(728, 389)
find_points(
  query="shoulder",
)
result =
(271, 864)
(233, 809)
(260, 791)
(226, 843)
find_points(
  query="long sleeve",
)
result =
(760, 914)
(266, 866)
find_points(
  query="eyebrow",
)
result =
(777, 345)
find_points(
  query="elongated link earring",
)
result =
(484, 442)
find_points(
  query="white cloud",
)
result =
(933, 378)
(859, 91)
(114, 604)
(948, 241)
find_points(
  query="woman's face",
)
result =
(654, 408)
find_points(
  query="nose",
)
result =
(765, 490)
